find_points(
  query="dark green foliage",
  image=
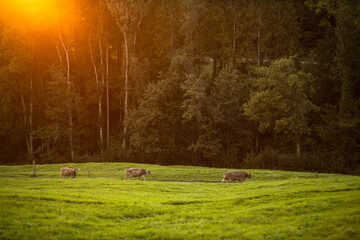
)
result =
(339, 136)
(230, 91)
(279, 103)
(156, 126)
(54, 132)
(273, 159)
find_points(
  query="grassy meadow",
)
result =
(177, 202)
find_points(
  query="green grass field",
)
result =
(177, 202)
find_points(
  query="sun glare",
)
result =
(33, 13)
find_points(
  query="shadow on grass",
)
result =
(51, 199)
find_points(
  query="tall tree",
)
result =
(216, 114)
(231, 90)
(199, 113)
(19, 64)
(128, 16)
(100, 67)
(155, 127)
(280, 104)
(338, 130)
(66, 66)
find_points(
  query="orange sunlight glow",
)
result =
(39, 14)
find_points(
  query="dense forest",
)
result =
(233, 83)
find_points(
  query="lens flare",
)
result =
(34, 13)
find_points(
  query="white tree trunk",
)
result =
(171, 27)
(234, 27)
(27, 118)
(31, 146)
(258, 34)
(278, 33)
(100, 126)
(99, 88)
(258, 63)
(126, 86)
(25, 123)
(107, 90)
(128, 16)
(68, 81)
(101, 85)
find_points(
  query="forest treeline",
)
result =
(233, 83)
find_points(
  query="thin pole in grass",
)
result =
(198, 175)
(34, 170)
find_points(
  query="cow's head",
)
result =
(75, 170)
(148, 172)
(249, 175)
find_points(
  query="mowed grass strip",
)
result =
(176, 203)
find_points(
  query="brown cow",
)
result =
(236, 175)
(68, 172)
(136, 172)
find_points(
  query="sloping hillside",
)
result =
(177, 202)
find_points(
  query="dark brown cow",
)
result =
(136, 172)
(236, 175)
(68, 172)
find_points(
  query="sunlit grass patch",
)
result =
(171, 205)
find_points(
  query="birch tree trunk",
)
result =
(128, 16)
(29, 136)
(234, 27)
(99, 89)
(107, 90)
(257, 140)
(278, 33)
(259, 33)
(25, 123)
(31, 118)
(68, 82)
(126, 86)
(171, 27)
(31, 146)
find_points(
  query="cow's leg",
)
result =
(226, 180)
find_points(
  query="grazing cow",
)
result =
(236, 175)
(68, 172)
(136, 172)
